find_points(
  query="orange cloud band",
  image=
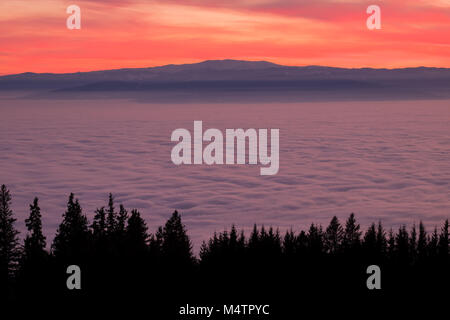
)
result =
(132, 33)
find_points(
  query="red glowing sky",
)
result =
(139, 33)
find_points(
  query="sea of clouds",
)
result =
(387, 161)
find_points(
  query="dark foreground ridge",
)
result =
(121, 261)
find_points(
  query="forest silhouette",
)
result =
(119, 257)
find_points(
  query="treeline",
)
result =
(117, 253)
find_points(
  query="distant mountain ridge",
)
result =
(244, 79)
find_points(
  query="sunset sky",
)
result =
(144, 33)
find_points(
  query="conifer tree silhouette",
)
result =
(33, 273)
(255, 253)
(422, 243)
(443, 246)
(118, 246)
(402, 245)
(370, 237)
(176, 247)
(99, 225)
(315, 240)
(254, 238)
(136, 234)
(381, 241)
(72, 240)
(9, 250)
(289, 244)
(205, 251)
(155, 245)
(272, 246)
(432, 247)
(413, 243)
(241, 242)
(121, 221)
(301, 243)
(333, 237)
(111, 217)
(391, 244)
(370, 241)
(233, 242)
(34, 244)
(225, 250)
(351, 239)
(101, 246)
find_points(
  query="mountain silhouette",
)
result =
(241, 80)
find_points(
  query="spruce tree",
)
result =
(413, 238)
(204, 252)
(233, 239)
(289, 244)
(99, 224)
(111, 218)
(315, 240)
(121, 220)
(433, 243)
(391, 244)
(34, 246)
(413, 243)
(422, 242)
(301, 243)
(274, 243)
(176, 246)
(370, 240)
(444, 240)
(155, 245)
(237, 245)
(381, 241)
(253, 241)
(99, 234)
(241, 242)
(352, 235)
(73, 236)
(9, 250)
(333, 236)
(402, 244)
(136, 234)
(34, 273)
